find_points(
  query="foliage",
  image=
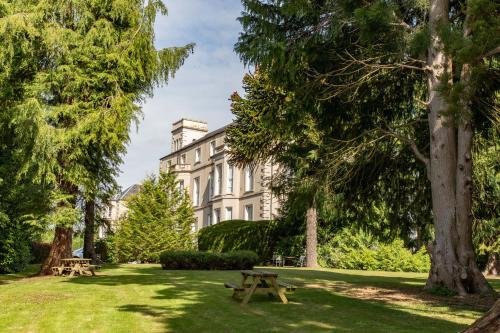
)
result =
(39, 252)
(256, 236)
(358, 250)
(208, 260)
(160, 218)
(14, 246)
(105, 249)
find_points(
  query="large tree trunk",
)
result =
(60, 249)
(453, 263)
(88, 240)
(312, 237)
(489, 323)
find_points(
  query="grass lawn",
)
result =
(144, 298)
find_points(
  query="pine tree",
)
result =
(160, 217)
(87, 66)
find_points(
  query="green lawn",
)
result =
(143, 298)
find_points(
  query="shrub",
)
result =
(235, 235)
(357, 250)
(208, 260)
(39, 252)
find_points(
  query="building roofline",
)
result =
(203, 138)
(189, 119)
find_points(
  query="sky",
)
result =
(200, 89)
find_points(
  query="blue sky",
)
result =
(200, 89)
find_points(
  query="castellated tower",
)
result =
(186, 131)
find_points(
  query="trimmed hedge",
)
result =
(208, 260)
(235, 235)
(39, 252)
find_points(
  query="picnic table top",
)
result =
(75, 259)
(259, 273)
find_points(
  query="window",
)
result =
(212, 148)
(229, 213)
(249, 212)
(209, 218)
(169, 165)
(229, 183)
(181, 185)
(218, 179)
(183, 159)
(210, 185)
(197, 155)
(248, 179)
(196, 191)
(216, 215)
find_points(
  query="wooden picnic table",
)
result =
(79, 266)
(261, 281)
(289, 258)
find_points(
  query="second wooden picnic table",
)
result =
(263, 281)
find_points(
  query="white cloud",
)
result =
(201, 88)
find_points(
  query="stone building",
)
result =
(219, 190)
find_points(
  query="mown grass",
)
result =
(144, 298)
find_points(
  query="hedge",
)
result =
(208, 260)
(235, 235)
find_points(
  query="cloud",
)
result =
(200, 89)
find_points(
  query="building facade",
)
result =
(116, 209)
(219, 190)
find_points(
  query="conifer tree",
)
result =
(88, 65)
(159, 217)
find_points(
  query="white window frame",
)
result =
(196, 191)
(210, 183)
(216, 218)
(183, 159)
(197, 155)
(248, 179)
(230, 179)
(209, 217)
(181, 185)
(248, 212)
(211, 148)
(218, 179)
(229, 213)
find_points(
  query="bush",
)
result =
(235, 235)
(348, 250)
(208, 260)
(39, 252)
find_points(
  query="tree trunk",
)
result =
(489, 323)
(88, 240)
(453, 263)
(60, 249)
(312, 237)
(493, 265)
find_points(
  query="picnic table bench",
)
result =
(75, 266)
(261, 281)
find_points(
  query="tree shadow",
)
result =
(208, 308)
(324, 301)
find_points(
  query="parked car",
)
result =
(78, 253)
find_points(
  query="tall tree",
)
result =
(341, 52)
(90, 64)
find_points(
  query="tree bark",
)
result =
(89, 233)
(60, 249)
(489, 323)
(312, 237)
(453, 263)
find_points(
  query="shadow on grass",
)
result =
(202, 308)
(197, 301)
